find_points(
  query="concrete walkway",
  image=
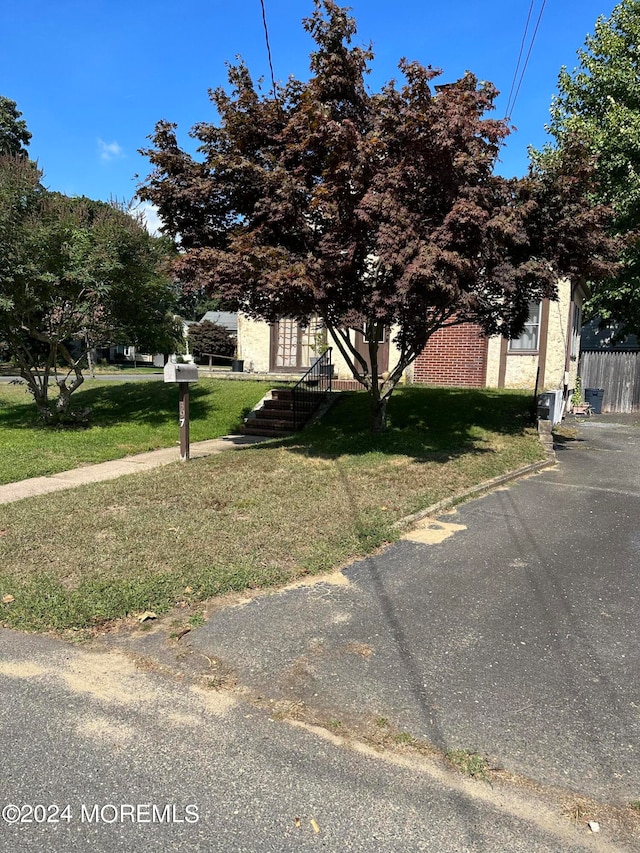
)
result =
(119, 467)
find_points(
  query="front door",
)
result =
(379, 333)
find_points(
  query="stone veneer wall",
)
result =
(254, 343)
(521, 368)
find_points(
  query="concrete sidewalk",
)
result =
(509, 627)
(119, 467)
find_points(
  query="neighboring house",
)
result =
(227, 319)
(612, 365)
(545, 356)
(127, 354)
(122, 354)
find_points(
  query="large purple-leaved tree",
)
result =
(370, 210)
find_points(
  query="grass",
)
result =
(125, 369)
(259, 517)
(469, 763)
(127, 418)
(403, 738)
(9, 369)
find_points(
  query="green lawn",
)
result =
(128, 417)
(253, 518)
(9, 369)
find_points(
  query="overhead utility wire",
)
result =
(266, 37)
(526, 62)
(515, 73)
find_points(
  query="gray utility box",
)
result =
(550, 406)
(180, 372)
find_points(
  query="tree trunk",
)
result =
(41, 399)
(379, 411)
(89, 356)
(38, 386)
(65, 392)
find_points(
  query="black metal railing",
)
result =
(309, 392)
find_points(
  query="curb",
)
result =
(475, 491)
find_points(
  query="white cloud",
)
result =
(110, 150)
(149, 213)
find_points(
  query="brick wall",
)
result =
(453, 356)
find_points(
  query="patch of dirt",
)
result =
(428, 531)
(20, 669)
(103, 730)
(361, 649)
(115, 679)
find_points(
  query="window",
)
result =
(576, 328)
(529, 340)
(292, 346)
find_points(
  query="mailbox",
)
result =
(180, 372)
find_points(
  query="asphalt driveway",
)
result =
(517, 635)
(100, 755)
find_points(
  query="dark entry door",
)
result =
(379, 333)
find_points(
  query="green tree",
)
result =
(370, 210)
(598, 104)
(192, 305)
(14, 135)
(209, 338)
(74, 273)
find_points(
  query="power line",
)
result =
(266, 37)
(524, 68)
(526, 62)
(515, 73)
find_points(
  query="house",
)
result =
(123, 354)
(286, 348)
(545, 356)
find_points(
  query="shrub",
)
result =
(208, 337)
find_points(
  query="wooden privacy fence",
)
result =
(618, 373)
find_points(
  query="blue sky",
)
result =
(92, 77)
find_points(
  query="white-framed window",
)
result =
(529, 340)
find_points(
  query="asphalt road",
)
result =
(103, 377)
(100, 756)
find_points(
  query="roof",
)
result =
(596, 339)
(227, 319)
